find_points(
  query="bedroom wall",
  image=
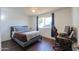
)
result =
(32, 21)
(0, 42)
(75, 14)
(0, 30)
(63, 17)
(11, 18)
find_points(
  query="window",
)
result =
(44, 22)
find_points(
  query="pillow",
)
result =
(13, 33)
(21, 29)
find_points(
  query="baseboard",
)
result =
(5, 40)
(48, 37)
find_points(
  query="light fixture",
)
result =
(33, 10)
(2, 17)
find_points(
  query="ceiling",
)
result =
(28, 10)
(38, 10)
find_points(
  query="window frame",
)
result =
(44, 24)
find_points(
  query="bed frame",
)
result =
(23, 44)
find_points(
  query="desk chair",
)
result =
(65, 43)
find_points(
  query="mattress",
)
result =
(31, 34)
(25, 36)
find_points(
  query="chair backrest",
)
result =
(67, 28)
(70, 36)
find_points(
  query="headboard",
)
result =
(18, 28)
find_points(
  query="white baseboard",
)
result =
(4, 40)
(48, 37)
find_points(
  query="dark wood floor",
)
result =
(43, 45)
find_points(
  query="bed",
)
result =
(24, 37)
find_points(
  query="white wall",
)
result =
(0, 42)
(63, 18)
(32, 22)
(75, 16)
(45, 32)
(78, 35)
(11, 18)
(0, 31)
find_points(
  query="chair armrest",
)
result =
(63, 38)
